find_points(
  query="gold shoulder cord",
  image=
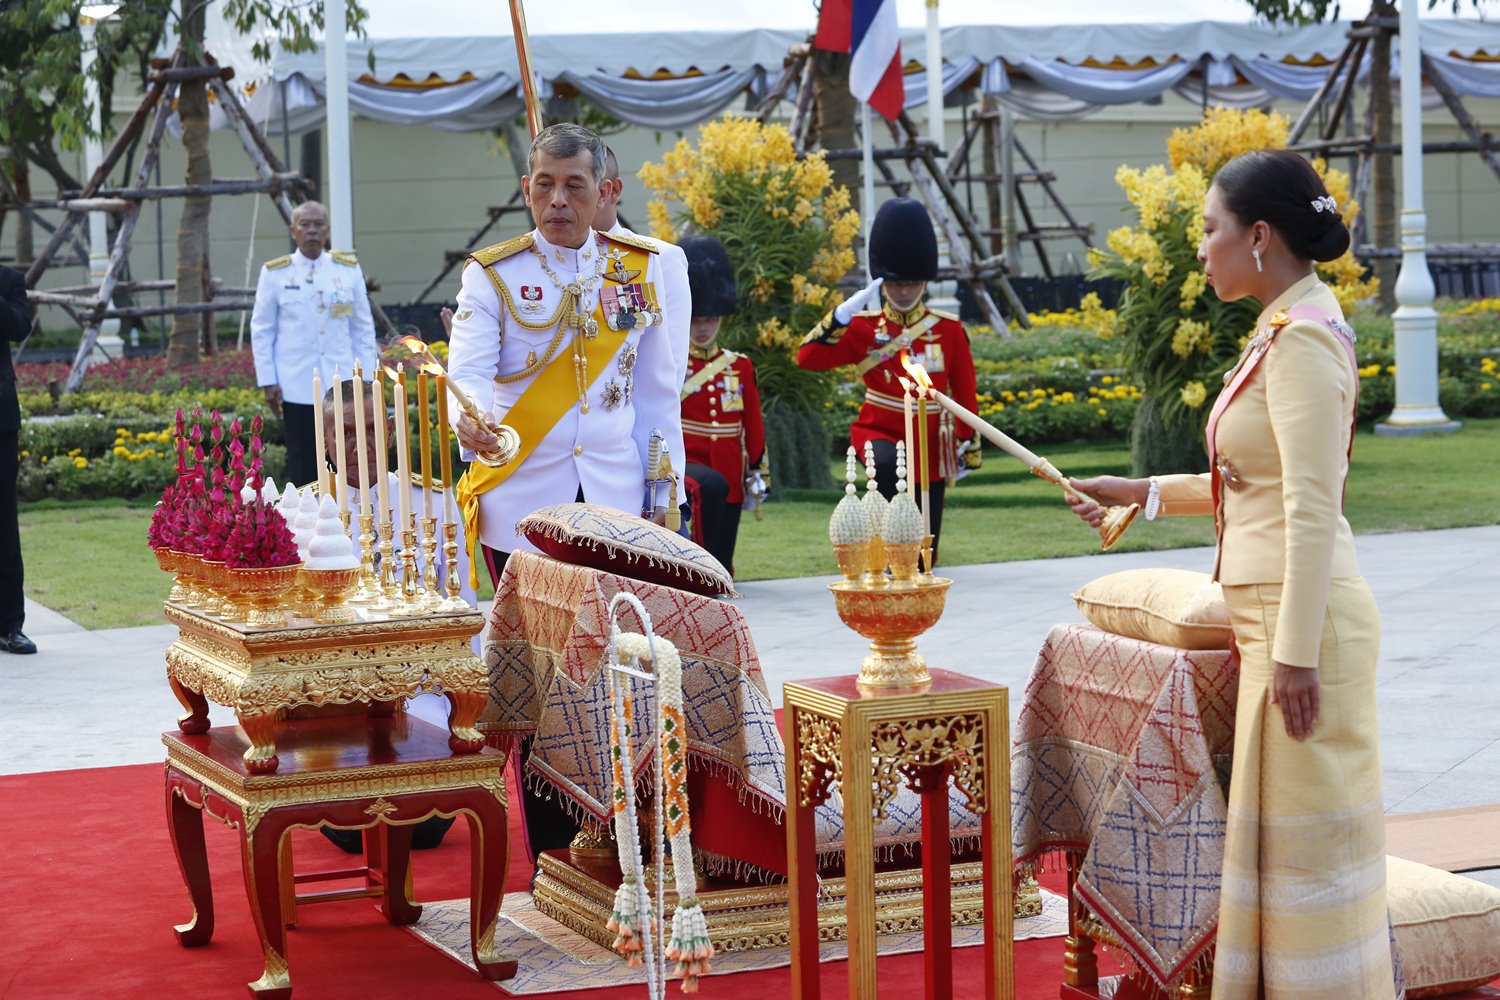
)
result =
(563, 308)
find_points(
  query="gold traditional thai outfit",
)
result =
(1303, 902)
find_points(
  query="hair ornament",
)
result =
(1325, 202)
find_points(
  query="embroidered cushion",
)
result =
(1447, 928)
(614, 541)
(1170, 607)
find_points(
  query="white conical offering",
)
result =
(306, 525)
(248, 494)
(268, 491)
(873, 503)
(288, 505)
(330, 548)
(902, 524)
(850, 524)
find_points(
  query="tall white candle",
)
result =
(320, 462)
(382, 453)
(339, 461)
(906, 388)
(990, 433)
(403, 456)
(359, 441)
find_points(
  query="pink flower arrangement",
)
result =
(166, 520)
(259, 537)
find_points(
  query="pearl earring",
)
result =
(1256, 254)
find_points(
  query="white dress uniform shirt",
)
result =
(677, 303)
(603, 450)
(310, 317)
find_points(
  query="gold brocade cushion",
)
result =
(603, 538)
(1447, 928)
(1170, 607)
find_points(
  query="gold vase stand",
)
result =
(264, 674)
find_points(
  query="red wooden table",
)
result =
(352, 772)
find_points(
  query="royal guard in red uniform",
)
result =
(722, 430)
(903, 258)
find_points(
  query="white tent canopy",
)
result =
(453, 65)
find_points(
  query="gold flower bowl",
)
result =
(171, 562)
(211, 580)
(262, 588)
(892, 619)
(332, 588)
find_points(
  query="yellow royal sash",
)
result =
(552, 393)
(706, 374)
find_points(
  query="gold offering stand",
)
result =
(263, 674)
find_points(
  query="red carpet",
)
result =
(94, 893)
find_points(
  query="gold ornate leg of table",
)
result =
(1080, 964)
(466, 706)
(261, 731)
(196, 719)
(1196, 986)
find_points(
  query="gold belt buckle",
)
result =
(1229, 476)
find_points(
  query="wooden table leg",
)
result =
(261, 731)
(490, 854)
(393, 860)
(995, 857)
(185, 822)
(261, 844)
(859, 860)
(195, 720)
(937, 869)
(464, 712)
(802, 871)
(1080, 965)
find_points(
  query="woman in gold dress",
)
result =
(1303, 903)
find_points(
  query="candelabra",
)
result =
(450, 556)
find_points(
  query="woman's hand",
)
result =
(1295, 689)
(1105, 491)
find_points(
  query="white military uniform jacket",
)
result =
(604, 450)
(678, 303)
(310, 317)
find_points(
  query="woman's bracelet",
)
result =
(1153, 500)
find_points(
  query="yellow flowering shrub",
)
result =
(1179, 338)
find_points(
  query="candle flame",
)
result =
(410, 353)
(905, 383)
(918, 373)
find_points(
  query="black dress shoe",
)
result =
(15, 641)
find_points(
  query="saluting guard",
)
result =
(903, 258)
(722, 426)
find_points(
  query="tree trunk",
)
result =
(20, 175)
(192, 231)
(1382, 165)
(833, 120)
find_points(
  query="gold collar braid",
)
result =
(909, 318)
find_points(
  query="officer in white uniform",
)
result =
(679, 302)
(596, 428)
(312, 316)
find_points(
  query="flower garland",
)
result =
(633, 918)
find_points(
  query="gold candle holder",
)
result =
(390, 584)
(450, 580)
(1116, 519)
(369, 591)
(431, 597)
(411, 604)
(927, 550)
(891, 619)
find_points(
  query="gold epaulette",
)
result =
(437, 484)
(345, 257)
(632, 241)
(945, 315)
(869, 312)
(499, 251)
(277, 263)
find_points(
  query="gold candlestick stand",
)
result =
(411, 604)
(390, 583)
(368, 591)
(431, 597)
(451, 581)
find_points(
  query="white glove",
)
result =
(845, 310)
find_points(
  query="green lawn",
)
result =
(89, 561)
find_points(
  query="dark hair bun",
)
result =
(1280, 188)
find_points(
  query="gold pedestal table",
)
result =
(869, 742)
(263, 674)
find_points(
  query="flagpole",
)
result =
(935, 78)
(523, 59)
(867, 175)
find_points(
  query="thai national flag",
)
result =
(868, 29)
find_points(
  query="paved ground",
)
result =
(91, 699)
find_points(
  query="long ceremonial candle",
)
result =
(924, 473)
(382, 453)
(424, 438)
(445, 459)
(340, 462)
(990, 433)
(320, 465)
(906, 388)
(403, 457)
(359, 441)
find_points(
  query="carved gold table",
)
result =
(955, 728)
(350, 772)
(265, 673)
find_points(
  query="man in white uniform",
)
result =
(562, 334)
(311, 316)
(679, 303)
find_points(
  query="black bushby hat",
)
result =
(710, 276)
(903, 246)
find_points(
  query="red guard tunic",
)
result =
(873, 342)
(721, 420)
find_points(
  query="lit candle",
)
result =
(359, 441)
(445, 459)
(382, 453)
(988, 431)
(924, 473)
(339, 461)
(321, 462)
(906, 388)
(403, 455)
(424, 437)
